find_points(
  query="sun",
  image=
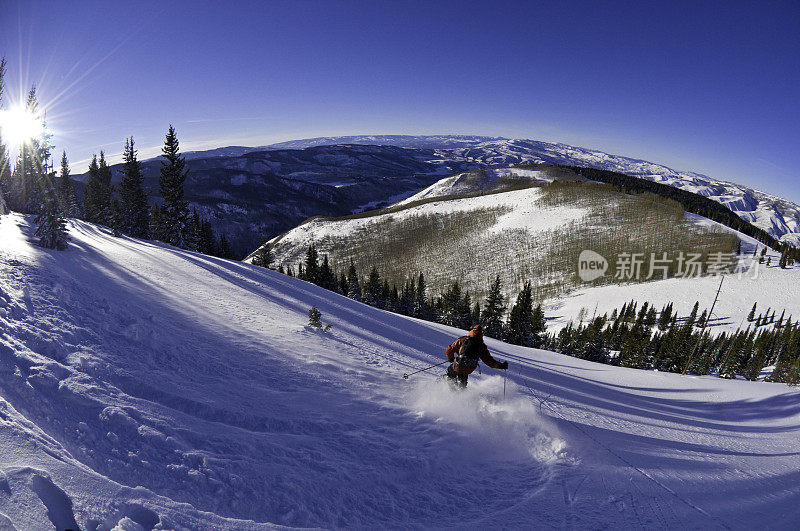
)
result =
(19, 126)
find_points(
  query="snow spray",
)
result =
(511, 428)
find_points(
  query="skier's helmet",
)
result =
(476, 331)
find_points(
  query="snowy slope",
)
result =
(479, 181)
(143, 384)
(495, 231)
(768, 286)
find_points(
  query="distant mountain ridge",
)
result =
(778, 216)
(258, 192)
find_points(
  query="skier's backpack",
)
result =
(467, 357)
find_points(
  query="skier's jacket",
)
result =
(452, 352)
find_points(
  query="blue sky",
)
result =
(705, 86)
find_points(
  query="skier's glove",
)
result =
(503, 365)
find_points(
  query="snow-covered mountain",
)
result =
(778, 216)
(472, 226)
(404, 141)
(256, 193)
(145, 387)
(253, 195)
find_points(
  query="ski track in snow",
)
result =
(146, 386)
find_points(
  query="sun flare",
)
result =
(18, 126)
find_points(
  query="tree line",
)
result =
(640, 337)
(522, 324)
(691, 202)
(636, 335)
(34, 187)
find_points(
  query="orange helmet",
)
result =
(476, 331)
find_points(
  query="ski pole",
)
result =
(505, 375)
(406, 375)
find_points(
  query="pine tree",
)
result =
(314, 317)
(386, 296)
(34, 164)
(519, 329)
(372, 289)
(353, 287)
(156, 223)
(97, 207)
(539, 327)
(665, 317)
(194, 227)
(107, 192)
(476, 313)
(206, 243)
(752, 315)
(494, 310)
(134, 218)
(693, 315)
(650, 319)
(465, 313)
(51, 227)
(5, 165)
(224, 248)
(175, 213)
(263, 257)
(701, 321)
(452, 304)
(405, 304)
(67, 199)
(311, 265)
(420, 295)
(92, 208)
(32, 172)
(327, 277)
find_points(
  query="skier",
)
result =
(463, 356)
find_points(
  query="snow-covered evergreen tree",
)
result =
(314, 317)
(50, 225)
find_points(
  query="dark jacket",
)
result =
(452, 352)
